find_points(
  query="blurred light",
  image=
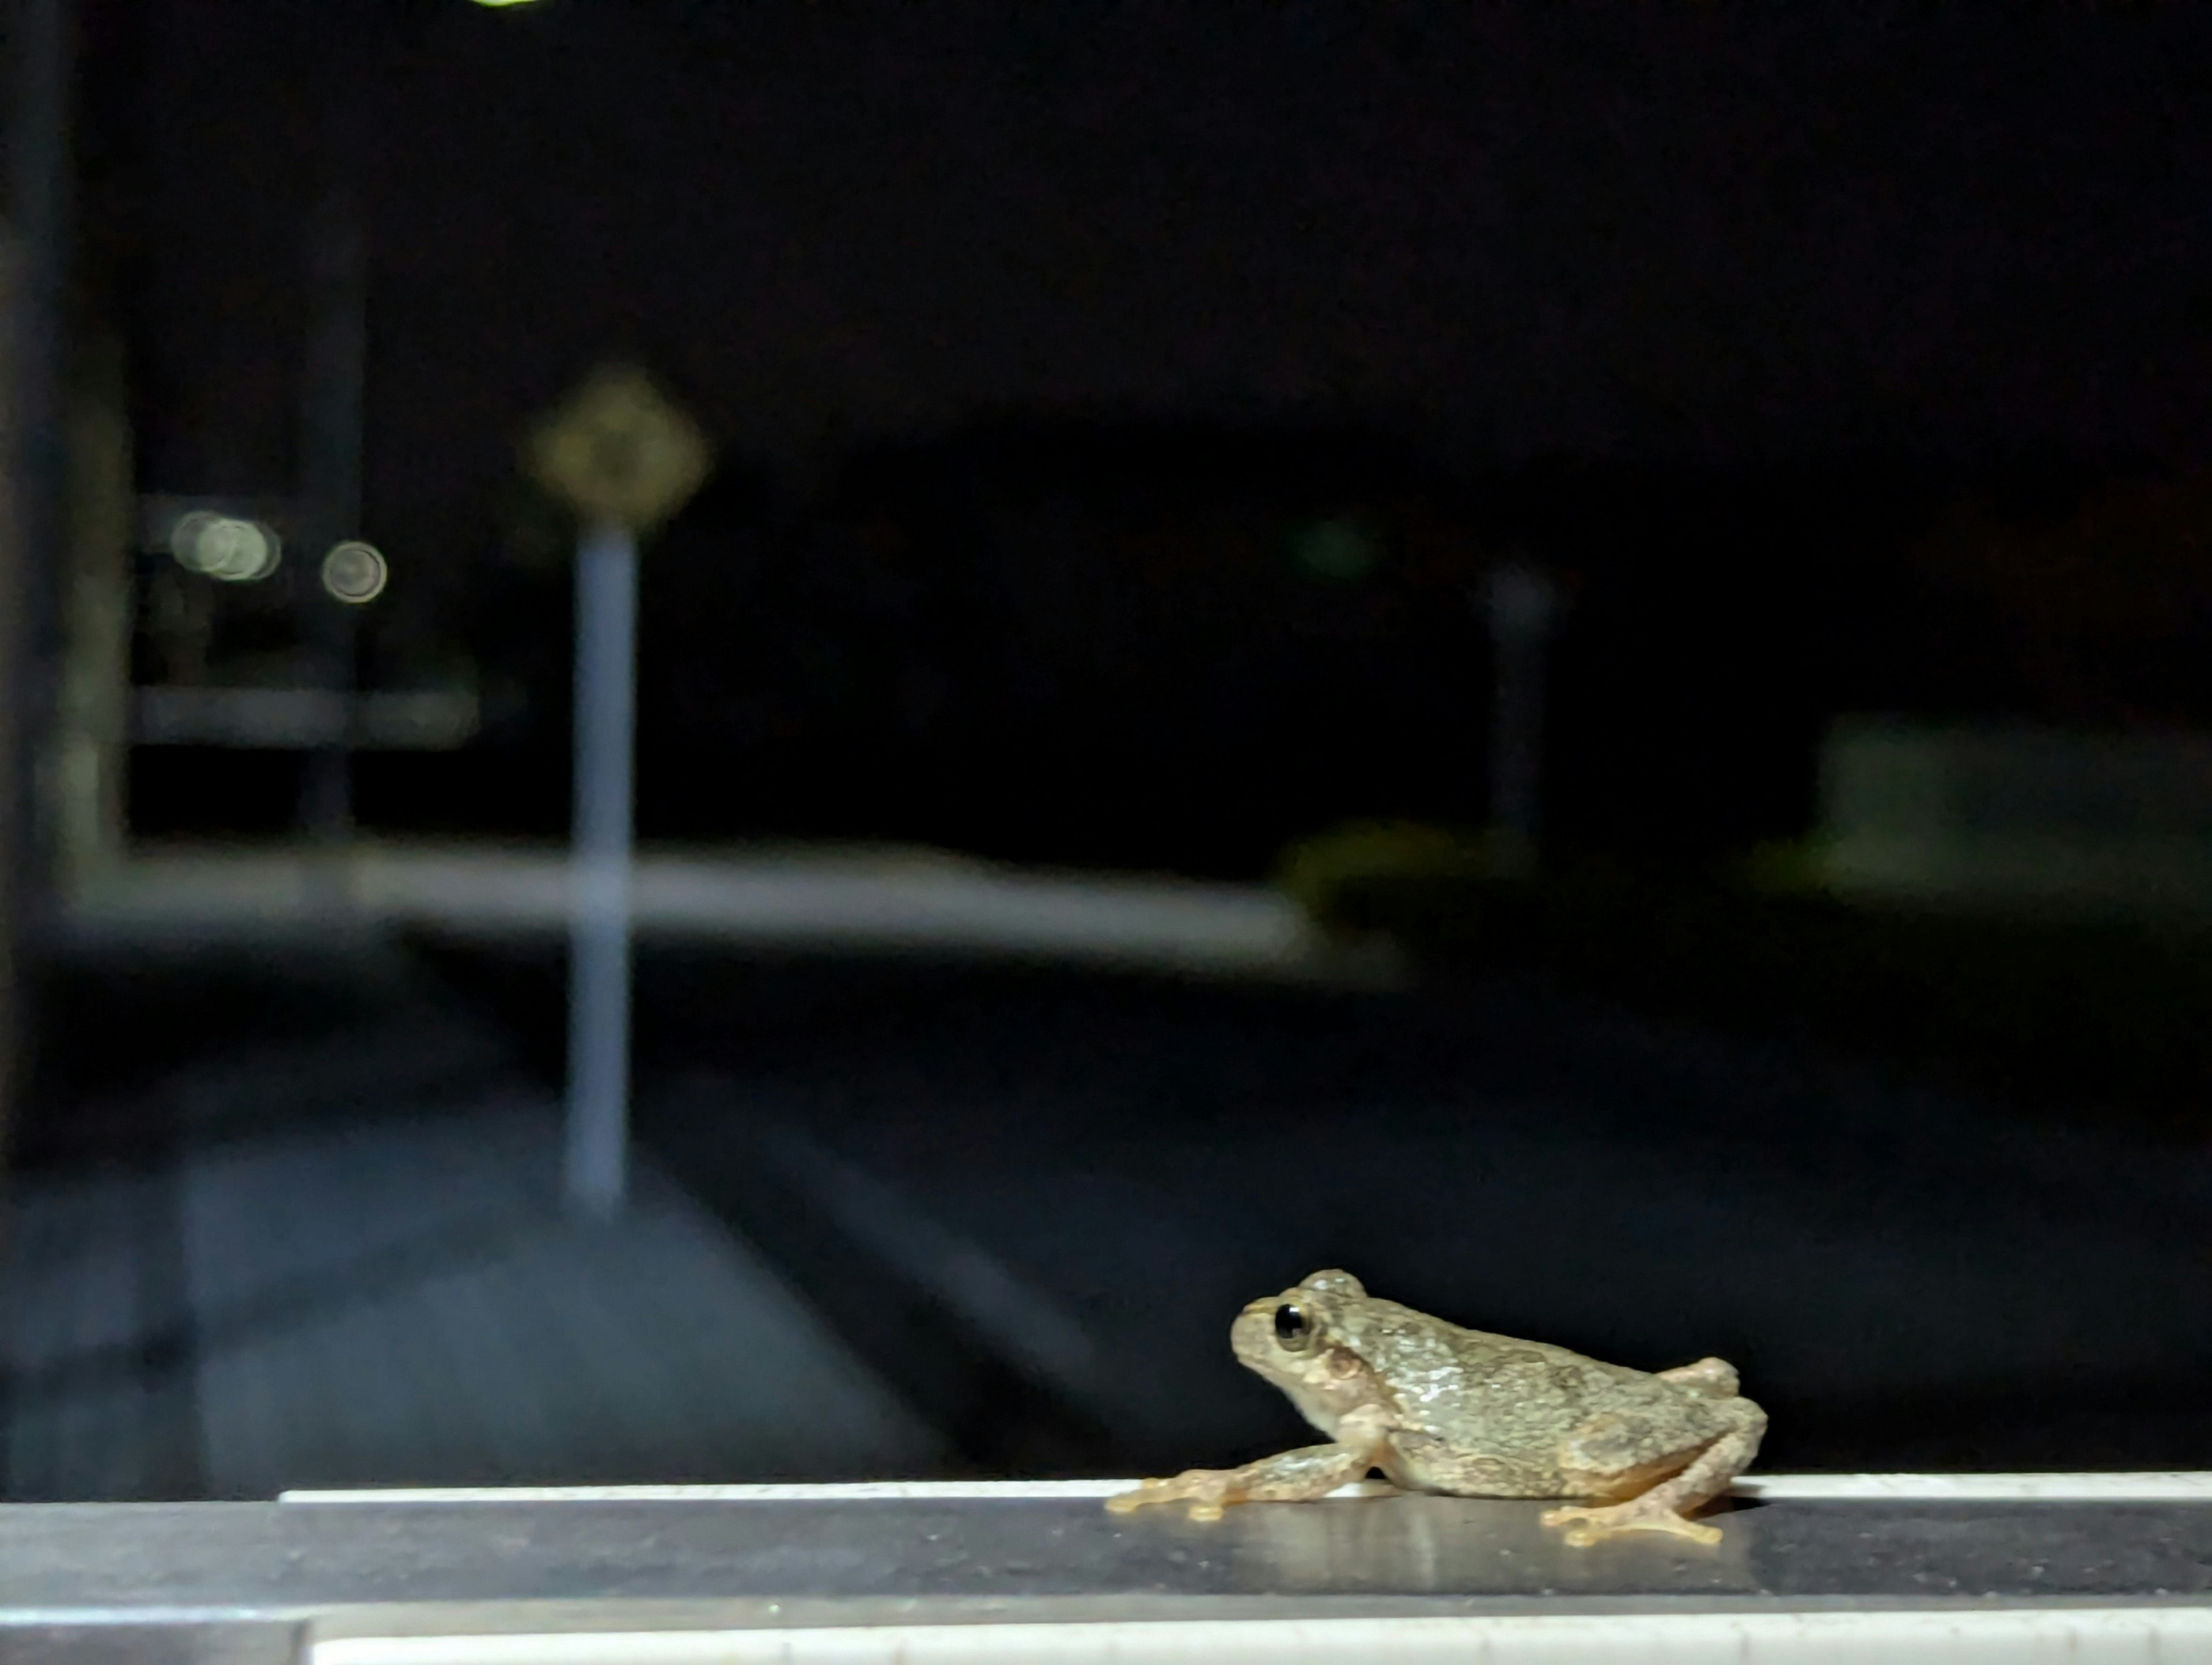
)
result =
(1522, 601)
(502, 3)
(356, 572)
(184, 539)
(222, 547)
(1342, 551)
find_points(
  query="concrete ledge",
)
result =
(894, 900)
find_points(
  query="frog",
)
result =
(1439, 1409)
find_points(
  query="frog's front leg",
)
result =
(1666, 1505)
(1299, 1476)
(1290, 1478)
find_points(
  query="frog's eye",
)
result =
(1292, 1327)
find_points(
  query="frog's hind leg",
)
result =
(1299, 1476)
(1665, 1506)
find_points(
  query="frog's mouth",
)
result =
(1252, 1337)
(1318, 1377)
(1258, 1338)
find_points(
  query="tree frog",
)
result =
(1440, 1409)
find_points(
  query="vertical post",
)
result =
(43, 52)
(330, 489)
(95, 679)
(14, 680)
(600, 929)
(34, 268)
(1520, 602)
(331, 413)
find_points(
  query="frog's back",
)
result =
(1488, 1413)
(1445, 1376)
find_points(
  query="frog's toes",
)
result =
(1586, 1527)
(1121, 1503)
(1205, 1489)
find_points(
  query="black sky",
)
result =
(1628, 230)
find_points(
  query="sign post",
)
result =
(16, 683)
(1523, 603)
(625, 458)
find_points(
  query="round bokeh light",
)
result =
(221, 546)
(355, 573)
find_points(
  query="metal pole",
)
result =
(38, 322)
(330, 489)
(331, 411)
(1520, 602)
(600, 928)
(14, 680)
(35, 266)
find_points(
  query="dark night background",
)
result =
(1838, 358)
(988, 306)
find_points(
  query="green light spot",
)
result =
(1338, 551)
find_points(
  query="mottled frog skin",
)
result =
(1439, 1409)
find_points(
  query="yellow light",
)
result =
(503, 2)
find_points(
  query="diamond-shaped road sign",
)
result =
(619, 450)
